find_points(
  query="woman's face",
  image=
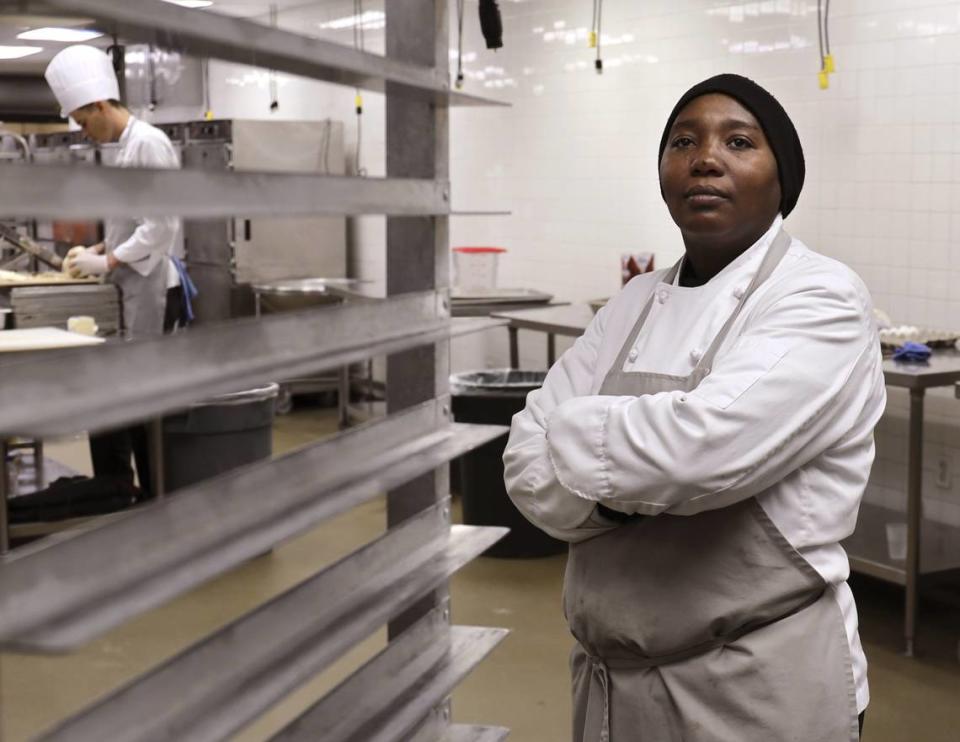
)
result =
(718, 173)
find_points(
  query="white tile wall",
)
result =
(574, 158)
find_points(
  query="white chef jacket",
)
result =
(786, 415)
(142, 242)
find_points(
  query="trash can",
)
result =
(219, 434)
(492, 398)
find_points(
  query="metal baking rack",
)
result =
(57, 594)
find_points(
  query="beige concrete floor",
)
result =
(523, 685)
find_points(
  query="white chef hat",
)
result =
(80, 75)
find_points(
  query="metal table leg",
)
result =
(551, 349)
(914, 515)
(343, 397)
(155, 438)
(4, 484)
(38, 463)
(514, 348)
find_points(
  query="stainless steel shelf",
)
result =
(93, 389)
(210, 34)
(472, 733)
(869, 552)
(412, 675)
(67, 192)
(59, 595)
(243, 669)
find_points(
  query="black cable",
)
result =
(358, 43)
(459, 82)
(823, 64)
(826, 27)
(272, 74)
(598, 64)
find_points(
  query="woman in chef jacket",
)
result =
(704, 447)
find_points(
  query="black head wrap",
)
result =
(774, 121)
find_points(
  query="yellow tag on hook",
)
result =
(208, 115)
(828, 64)
(593, 39)
(824, 79)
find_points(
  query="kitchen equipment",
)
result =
(475, 268)
(304, 293)
(224, 254)
(25, 244)
(43, 306)
(465, 297)
(301, 293)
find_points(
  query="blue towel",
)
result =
(189, 289)
(912, 352)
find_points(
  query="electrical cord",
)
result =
(358, 43)
(595, 40)
(459, 81)
(822, 76)
(272, 74)
(828, 57)
(205, 80)
(827, 66)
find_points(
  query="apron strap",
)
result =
(775, 253)
(600, 679)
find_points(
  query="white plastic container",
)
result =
(475, 268)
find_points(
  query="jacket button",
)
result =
(632, 355)
(696, 354)
(739, 292)
(661, 296)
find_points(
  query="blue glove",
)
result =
(910, 351)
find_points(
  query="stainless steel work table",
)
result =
(933, 549)
(568, 319)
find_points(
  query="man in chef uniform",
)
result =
(136, 253)
(704, 447)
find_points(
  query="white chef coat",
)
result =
(142, 242)
(786, 415)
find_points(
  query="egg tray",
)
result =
(933, 339)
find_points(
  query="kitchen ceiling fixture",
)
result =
(191, 3)
(67, 35)
(18, 52)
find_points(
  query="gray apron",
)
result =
(144, 298)
(704, 628)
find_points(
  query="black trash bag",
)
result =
(75, 497)
(491, 24)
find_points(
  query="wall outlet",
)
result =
(944, 479)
